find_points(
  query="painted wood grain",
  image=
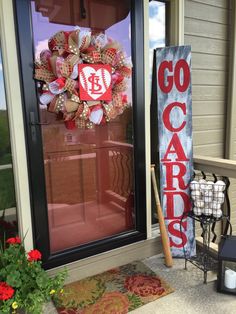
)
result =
(211, 122)
(175, 144)
(209, 62)
(207, 45)
(205, 29)
(205, 12)
(206, 108)
(209, 77)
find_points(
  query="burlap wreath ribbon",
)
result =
(58, 70)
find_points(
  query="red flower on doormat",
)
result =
(144, 286)
(6, 291)
(123, 289)
(110, 303)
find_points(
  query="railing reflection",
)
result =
(121, 190)
(121, 169)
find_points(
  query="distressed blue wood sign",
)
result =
(173, 69)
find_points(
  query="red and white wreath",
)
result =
(84, 78)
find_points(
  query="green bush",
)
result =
(24, 284)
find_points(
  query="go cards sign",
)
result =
(175, 144)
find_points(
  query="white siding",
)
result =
(207, 28)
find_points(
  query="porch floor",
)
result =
(191, 294)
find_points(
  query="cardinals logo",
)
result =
(95, 82)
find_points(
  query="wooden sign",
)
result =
(173, 71)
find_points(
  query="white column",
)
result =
(16, 124)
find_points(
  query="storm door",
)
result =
(86, 156)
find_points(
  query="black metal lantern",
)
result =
(227, 265)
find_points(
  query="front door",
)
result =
(87, 174)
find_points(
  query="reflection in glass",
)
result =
(157, 27)
(157, 38)
(88, 172)
(8, 224)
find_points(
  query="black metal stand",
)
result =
(203, 259)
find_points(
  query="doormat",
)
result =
(116, 291)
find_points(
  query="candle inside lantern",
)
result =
(230, 279)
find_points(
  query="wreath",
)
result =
(58, 70)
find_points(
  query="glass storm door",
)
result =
(87, 178)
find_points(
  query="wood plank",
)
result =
(212, 150)
(233, 199)
(232, 193)
(219, 166)
(205, 29)
(233, 215)
(209, 62)
(206, 45)
(208, 77)
(208, 123)
(208, 92)
(216, 3)
(234, 143)
(205, 12)
(204, 108)
(208, 137)
(233, 183)
(233, 221)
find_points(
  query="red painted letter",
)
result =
(177, 149)
(161, 76)
(170, 175)
(177, 233)
(182, 64)
(170, 210)
(166, 116)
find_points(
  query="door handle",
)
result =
(34, 122)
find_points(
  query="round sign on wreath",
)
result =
(84, 78)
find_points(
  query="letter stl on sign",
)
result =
(175, 144)
(95, 82)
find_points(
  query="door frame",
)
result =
(34, 142)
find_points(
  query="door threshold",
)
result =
(104, 261)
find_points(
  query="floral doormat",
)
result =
(116, 291)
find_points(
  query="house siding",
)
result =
(207, 29)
